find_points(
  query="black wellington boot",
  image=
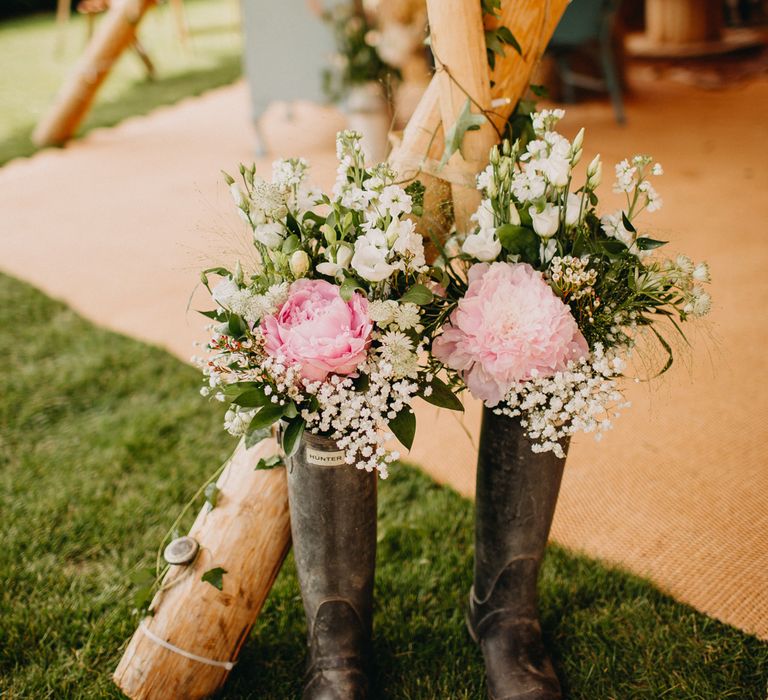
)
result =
(515, 500)
(333, 524)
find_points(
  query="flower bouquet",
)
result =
(546, 299)
(324, 329)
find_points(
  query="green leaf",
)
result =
(418, 294)
(215, 577)
(539, 90)
(519, 240)
(290, 410)
(403, 425)
(235, 326)
(292, 435)
(251, 398)
(210, 314)
(491, 7)
(361, 383)
(212, 494)
(466, 121)
(649, 243)
(627, 223)
(329, 233)
(348, 287)
(442, 396)
(290, 244)
(255, 436)
(613, 248)
(266, 416)
(268, 462)
(506, 37)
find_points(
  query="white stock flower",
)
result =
(395, 201)
(407, 243)
(484, 178)
(270, 235)
(547, 221)
(370, 260)
(528, 185)
(483, 245)
(613, 226)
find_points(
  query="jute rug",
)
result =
(119, 225)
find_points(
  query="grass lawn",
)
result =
(35, 65)
(103, 438)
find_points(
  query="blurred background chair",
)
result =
(588, 25)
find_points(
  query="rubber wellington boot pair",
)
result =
(333, 522)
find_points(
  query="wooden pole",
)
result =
(458, 44)
(115, 33)
(248, 535)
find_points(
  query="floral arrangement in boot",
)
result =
(546, 299)
(324, 329)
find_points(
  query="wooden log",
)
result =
(458, 44)
(248, 535)
(115, 33)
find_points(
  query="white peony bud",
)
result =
(299, 263)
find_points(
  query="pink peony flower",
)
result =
(318, 330)
(508, 324)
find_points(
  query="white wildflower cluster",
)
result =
(290, 175)
(570, 277)
(537, 181)
(389, 242)
(246, 303)
(355, 419)
(632, 179)
(688, 278)
(404, 316)
(582, 398)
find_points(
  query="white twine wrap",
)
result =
(228, 665)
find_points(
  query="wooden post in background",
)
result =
(114, 34)
(247, 534)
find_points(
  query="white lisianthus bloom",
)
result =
(370, 260)
(299, 263)
(556, 169)
(343, 258)
(223, 292)
(547, 221)
(483, 245)
(484, 215)
(270, 235)
(547, 250)
(237, 195)
(573, 210)
(484, 178)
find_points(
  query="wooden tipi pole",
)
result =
(115, 33)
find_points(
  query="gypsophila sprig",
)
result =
(326, 332)
(546, 298)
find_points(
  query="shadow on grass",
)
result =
(140, 98)
(104, 438)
